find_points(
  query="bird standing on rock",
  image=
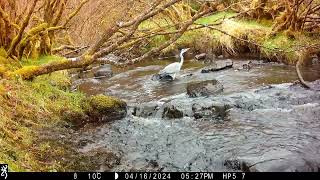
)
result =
(172, 69)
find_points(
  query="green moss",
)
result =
(102, 102)
(101, 108)
(25, 72)
(195, 5)
(279, 41)
(214, 18)
(41, 60)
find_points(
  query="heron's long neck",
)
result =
(181, 58)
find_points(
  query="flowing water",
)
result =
(260, 122)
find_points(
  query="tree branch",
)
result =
(182, 29)
(25, 23)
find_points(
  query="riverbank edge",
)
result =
(238, 38)
(38, 119)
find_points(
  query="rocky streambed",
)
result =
(234, 119)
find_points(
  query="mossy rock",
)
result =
(101, 108)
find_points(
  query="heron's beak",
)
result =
(187, 49)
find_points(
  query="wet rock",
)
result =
(101, 108)
(194, 108)
(204, 88)
(153, 163)
(212, 112)
(200, 56)
(218, 66)
(244, 66)
(146, 109)
(172, 113)
(233, 164)
(162, 77)
(104, 71)
(248, 104)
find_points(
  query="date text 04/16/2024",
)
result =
(183, 176)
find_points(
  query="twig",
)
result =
(75, 50)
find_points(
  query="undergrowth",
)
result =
(275, 47)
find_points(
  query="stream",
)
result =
(262, 121)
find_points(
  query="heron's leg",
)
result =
(173, 76)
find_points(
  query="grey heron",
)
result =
(173, 68)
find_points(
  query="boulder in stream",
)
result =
(172, 113)
(215, 111)
(162, 77)
(101, 108)
(146, 109)
(104, 71)
(204, 88)
(218, 66)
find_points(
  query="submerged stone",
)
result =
(204, 88)
(172, 113)
(104, 71)
(216, 112)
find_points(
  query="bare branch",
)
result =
(135, 23)
(182, 29)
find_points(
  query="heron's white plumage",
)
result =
(171, 68)
(174, 68)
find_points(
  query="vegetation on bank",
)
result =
(30, 106)
(249, 38)
(33, 116)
